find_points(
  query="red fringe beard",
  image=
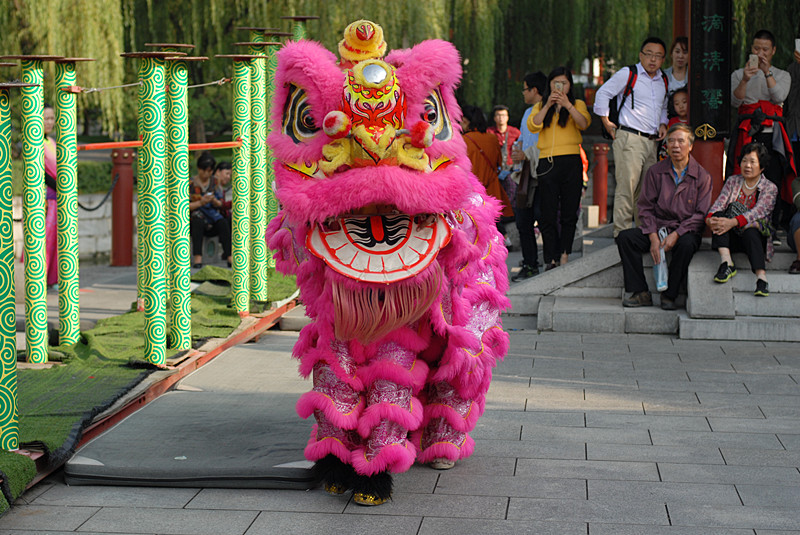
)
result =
(371, 312)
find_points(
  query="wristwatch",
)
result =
(768, 75)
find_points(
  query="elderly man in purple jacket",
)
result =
(676, 195)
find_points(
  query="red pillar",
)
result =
(600, 180)
(122, 208)
(709, 154)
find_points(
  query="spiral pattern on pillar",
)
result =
(177, 179)
(33, 213)
(272, 201)
(9, 422)
(152, 237)
(67, 199)
(258, 187)
(241, 187)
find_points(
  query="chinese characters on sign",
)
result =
(710, 64)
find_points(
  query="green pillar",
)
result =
(241, 183)
(258, 156)
(33, 210)
(67, 199)
(150, 205)
(178, 250)
(272, 200)
(9, 418)
(299, 28)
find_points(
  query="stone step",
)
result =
(295, 319)
(781, 305)
(741, 328)
(779, 282)
(603, 315)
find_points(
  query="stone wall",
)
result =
(94, 228)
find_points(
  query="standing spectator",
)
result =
(791, 114)
(678, 72)
(222, 177)
(506, 136)
(643, 122)
(484, 153)
(676, 194)
(559, 119)
(527, 206)
(760, 86)
(740, 218)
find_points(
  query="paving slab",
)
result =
(446, 526)
(702, 516)
(770, 495)
(587, 511)
(511, 486)
(170, 521)
(712, 473)
(286, 523)
(633, 529)
(39, 518)
(648, 453)
(663, 492)
(621, 471)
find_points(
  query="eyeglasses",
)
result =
(651, 55)
(526, 89)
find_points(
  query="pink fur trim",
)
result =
(459, 423)
(311, 401)
(446, 450)
(415, 377)
(316, 450)
(374, 414)
(396, 458)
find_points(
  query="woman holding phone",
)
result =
(559, 120)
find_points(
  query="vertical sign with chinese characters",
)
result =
(710, 64)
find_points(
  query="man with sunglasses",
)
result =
(642, 124)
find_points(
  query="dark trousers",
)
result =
(751, 242)
(198, 228)
(560, 186)
(526, 218)
(631, 244)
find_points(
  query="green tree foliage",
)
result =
(499, 40)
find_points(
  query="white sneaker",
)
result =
(442, 464)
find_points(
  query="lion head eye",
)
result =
(429, 115)
(435, 114)
(298, 122)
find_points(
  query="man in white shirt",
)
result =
(642, 124)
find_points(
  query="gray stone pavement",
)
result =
(583, 433)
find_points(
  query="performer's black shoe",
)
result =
(372, 490)
(336, 476)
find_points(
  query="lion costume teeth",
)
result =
(397, 256)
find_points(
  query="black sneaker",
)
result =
(667, 303)
(724, 273)
(762, 288)
(638, 299)
(525, 273)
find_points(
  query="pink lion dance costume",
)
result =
(397, 257)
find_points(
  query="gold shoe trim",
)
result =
(362, 498)
(335, 488)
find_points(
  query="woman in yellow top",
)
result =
(559, 119)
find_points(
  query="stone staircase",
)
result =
(586, 296)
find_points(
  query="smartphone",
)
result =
(753, 61)
(559, 86)
(797, 44)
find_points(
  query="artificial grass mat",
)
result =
(56, 404)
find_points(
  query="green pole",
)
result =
(9, 419)
(299, 28)
(67, 200)
(272, 201)
(150, 205)
(179, 302)
(241, 183)
(33, 210)
(258, 156)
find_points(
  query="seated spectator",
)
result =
(205, 219)
(483, 151)
(676, 194)
(794, 228)
(740, 217)
(222, 177)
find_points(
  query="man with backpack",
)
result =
(640, 95)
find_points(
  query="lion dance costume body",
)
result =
(397, 257)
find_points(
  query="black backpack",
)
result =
(615, 104)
